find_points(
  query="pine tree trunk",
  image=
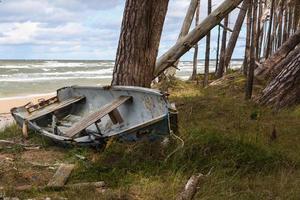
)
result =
(260, 10)
(248, 41)
(236, 32)
(263, 71)
(139, 41)
(280, 25)
(285, 27)
(207, 51)
(221, 67)
(284, 90)
(218, 49)
(195, 59)
(269, 39)
(286, 61)
(250, 75)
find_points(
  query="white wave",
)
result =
(57, 64)
(108, 71)
(15, 66)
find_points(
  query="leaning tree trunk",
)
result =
(264, 70)
(236, 32)
(187, 22)
(139, 41)
(181, 47)
(284, 90)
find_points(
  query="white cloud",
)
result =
(86, 29)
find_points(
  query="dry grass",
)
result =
(220, 130)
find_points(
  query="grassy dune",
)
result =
(221, 132)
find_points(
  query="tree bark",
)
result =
(286, 61)
(195, 60)
(285, 27)
(218, 49)
(248, 41)
(280, 25)
(284, 90)
(221, 67)
(185, 29)
(269, 39)
(184, 45)
(260, 10)
(139, 41)
(250, 75)
(263, 71)
(236, 32)
(207, 51)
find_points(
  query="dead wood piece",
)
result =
(61, 176)
(186, 43)
(190, 188)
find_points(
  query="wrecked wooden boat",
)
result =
(91, 115)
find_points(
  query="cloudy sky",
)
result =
(82, 29)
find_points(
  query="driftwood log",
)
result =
(185, 44)
(190, 188)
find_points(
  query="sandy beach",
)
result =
(10, 102)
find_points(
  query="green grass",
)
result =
(221, 132)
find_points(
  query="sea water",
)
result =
(29, 77)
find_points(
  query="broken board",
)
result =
(61, 176)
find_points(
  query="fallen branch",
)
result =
(190, 188)
(61, 176)
(24, 146)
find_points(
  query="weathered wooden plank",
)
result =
(61, 176)
(115, 116)
(54, 107)
(96, 116)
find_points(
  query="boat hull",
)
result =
(147, 114)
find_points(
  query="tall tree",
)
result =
(221, 67)
(207, 50)
(139, 41)
(195, 59)
(250, 75)
(218, 49)
(248, 41)
(269, 42)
